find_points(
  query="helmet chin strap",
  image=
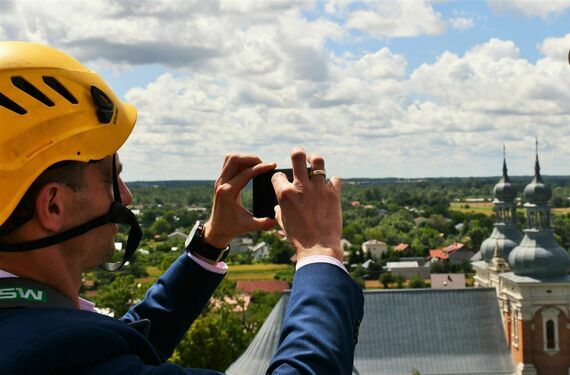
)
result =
(118, 214)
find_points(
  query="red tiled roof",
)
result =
(456, 246)
(445, 252)
(439, 254)
(264, 286)
(401, 247)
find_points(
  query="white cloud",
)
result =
(173, 33)
(451, 112)
(381, 64)
(495, 49)
(493, 78)
(397, 19)
(531, 8)
(556, 48)
(461, 23)
(337, 7)
(261, 77)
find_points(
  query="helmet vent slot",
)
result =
(59, 88)
(31, 90)
(11, 105)
(105, 107)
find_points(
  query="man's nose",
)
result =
(126, 195)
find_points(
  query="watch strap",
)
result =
(199, 246)
(217, 255)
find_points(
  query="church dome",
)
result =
(504, 190)
(537, 191)
(539, 256)
(506, 238)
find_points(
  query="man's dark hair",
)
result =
(69, 173)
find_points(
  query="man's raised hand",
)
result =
(308, 208)
(229, 218)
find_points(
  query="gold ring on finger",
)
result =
(318, 172)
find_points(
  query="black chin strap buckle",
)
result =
(120, 214)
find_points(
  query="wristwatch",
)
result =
(197, 245)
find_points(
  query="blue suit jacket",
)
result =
(318, 337)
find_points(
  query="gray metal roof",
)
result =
(506, 237)
(477, 257)
(532, 280)
(444, 331)
(255, 359)
(506, 234)
(537, 191)
(504, 190)
(538, 255)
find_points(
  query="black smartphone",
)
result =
(264, 198)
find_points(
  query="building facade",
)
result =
(532, 286)
(375, 248)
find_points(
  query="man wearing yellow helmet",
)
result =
(61, 200)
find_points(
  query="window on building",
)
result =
(550, 335)
(550, 330)
(514, 328)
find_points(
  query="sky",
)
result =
(378, 88)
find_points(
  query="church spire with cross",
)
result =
(538, 254)
(505, 235)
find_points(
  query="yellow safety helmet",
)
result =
(52, 109)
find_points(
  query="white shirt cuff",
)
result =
(320, 259)
(220, 268)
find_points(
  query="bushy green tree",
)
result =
(399, 279)
(280, 252)
(240, 258)
(119, 295)
(386, 278)
(209, 342)
(160, 226)
(355, 255)
(417, 282)
(219, 336)
(351, 230)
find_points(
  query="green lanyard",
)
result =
(16, 293)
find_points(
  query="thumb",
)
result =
(264, 223)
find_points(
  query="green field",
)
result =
(258, 271)
(486, 208)
(238, 272)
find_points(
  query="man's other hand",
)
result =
(229, 218)
(309, 208)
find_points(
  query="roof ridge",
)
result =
(426, 290)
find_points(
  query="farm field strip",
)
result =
(255, 271)
(235, 272)
(486, 208)
(251, 276)
(257, 267)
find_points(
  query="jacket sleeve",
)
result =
(320, 326)
(173, 302)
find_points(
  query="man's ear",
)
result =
(50, 206)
